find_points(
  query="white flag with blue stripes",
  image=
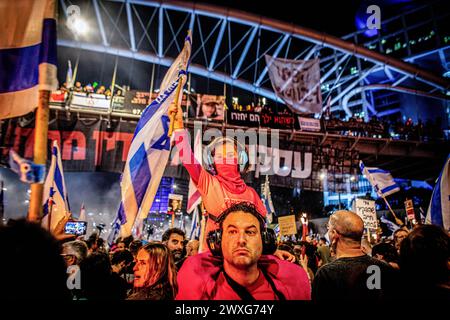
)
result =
(56, 201)
(195, 226)
(266, 197)
(380, 179)
(439, 210)
(27, 54)
(150, 149)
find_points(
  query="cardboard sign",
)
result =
(366, 210)
(409, 207)
(287, 225)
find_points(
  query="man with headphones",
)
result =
(239, 265)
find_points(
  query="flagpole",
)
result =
(202, 229)
(176, 100)
(40, 153)
(50, 208)
(151, 83)
(188, 99)
(392, 211)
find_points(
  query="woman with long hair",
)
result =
(155, 275)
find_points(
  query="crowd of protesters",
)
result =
(89, 89)
(356, 126)
(410, 264)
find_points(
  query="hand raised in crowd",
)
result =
(284, 255)
(59, 233)
(303, 259)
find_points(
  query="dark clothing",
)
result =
(324, 254)
(152, 294)
(348, 279)
(179, 263)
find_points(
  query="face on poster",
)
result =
(175, 202)
(210, 107)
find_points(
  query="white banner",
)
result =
(297, 82)
(92, 100)
(309, 124)
(366, 210)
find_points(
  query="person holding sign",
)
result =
(353, 275)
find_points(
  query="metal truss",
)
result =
(230, 46)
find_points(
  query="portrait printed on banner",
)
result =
(210, 107)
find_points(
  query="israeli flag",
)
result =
(27, 170)
(380, 179)
(195, 226)
(150, 148)
(27, 54)
(439, 210)
(56, 201)
(266, 198)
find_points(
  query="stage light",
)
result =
(352, 178)
(322, 175)
(174, 186)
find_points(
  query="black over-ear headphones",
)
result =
(268, 236)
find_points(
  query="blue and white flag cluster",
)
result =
(27, 54)
(380, 179)
(150, 149)
(27, 170)
(56, 201)
(439, 210)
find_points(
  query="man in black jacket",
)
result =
(353, 275)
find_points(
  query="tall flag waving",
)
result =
(56, 202)
(27, 54)
(266, 198)
(439, 210)
(380, 179)
(150, 148)
(195, 226)
(82, 216)
(194, 197)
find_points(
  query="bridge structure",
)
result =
(360, 75)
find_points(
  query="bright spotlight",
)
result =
(80, 26)
(322, 175)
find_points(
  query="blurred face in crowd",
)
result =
(141, 268)
(398, 238)
(192, 247)
(120, 246)
(241, 240)
(175, 245)
(78, 84)
(70, 259)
